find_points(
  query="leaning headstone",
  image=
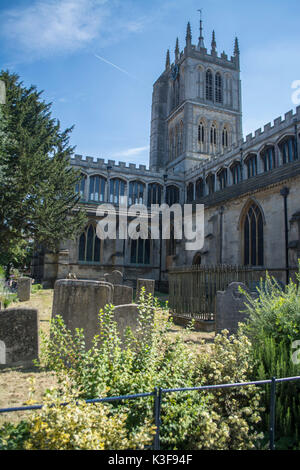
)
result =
(123, 295)
(231, 308)
(148, 284)
(128, 316)
(79, 302)
(115, 278)
(24, 288)
(19, 338)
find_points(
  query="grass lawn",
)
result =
(14, 383)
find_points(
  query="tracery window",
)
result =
(97, 188)
(154, 194)
(140, 251)
(268, 157)
(201, 136)
(251, 163)
(225, 140)
(89, 245)
(223, 178)
(213, 135)
(236, 171)
(288, 150)
(136, 193)
(172, 195)
(199, 188)
(80, 187)
(253, 237)
(190, 192)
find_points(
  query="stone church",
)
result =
(250, 187)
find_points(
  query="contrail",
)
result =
(113, 65)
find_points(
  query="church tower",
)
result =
(196, 105)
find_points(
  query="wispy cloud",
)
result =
(60, 26)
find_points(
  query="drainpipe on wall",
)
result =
(284, 193)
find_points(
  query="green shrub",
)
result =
(152, 358)
(36, 288)
(273, 325)
(13, 437)
(275, 313)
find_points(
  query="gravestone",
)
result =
(24, 288)
(230, 308)
(115, 278)
(79, 303)
(123, 295)
(148, 284)
(127, 316)
(19, 339)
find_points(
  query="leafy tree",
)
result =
(37, 184)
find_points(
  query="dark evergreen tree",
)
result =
(37, 185)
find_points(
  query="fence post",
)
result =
(272, 413)
(157, 406)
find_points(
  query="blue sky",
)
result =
(54, 44)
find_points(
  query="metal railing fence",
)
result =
(158, 397)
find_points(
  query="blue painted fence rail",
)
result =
(158, 396)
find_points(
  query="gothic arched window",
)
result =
(268, 157)
(136, 192)
(97, 188)
(201, 136)
(213, 135)
(190, 192)
(154, 194)
(288, 150)
(209, 85)
(218, 88)
(236, 171)
(251, 163)
(223, 178)
(140, 251)
(199, 188)
(80, 187)
(89, 245)
(116, 190)
(210, 181)
(225, 139)
(253, 235)
(172, 195)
